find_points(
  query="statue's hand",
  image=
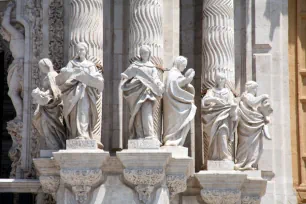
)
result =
(67, 70)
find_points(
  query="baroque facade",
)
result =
(169, 134)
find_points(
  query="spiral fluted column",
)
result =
(218, 41)
(146, 28)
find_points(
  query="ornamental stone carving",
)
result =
(144, 180)
(14, 128)
(50, 184)
(176, 184)
(220, 196)
(250, 200)
(81, 181)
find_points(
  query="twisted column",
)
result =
(146, 28)
(218, 41)
(86, 25)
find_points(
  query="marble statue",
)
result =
(219, 119)
(48, 119)
(141, 88)
(15, 70)
(81, 85)
(254, 112)
(178, 100)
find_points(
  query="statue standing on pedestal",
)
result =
(141, 88)
(219, 119)
(254, 112)
(48, 119)
(15, 70)
(81, 84)
(178, 100)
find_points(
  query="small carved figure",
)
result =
(254, 112)
(141, 88)
(81, 84)
(15, 70)
(178, 100)
(48, 118)
(219, 115)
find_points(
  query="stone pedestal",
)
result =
(72, 174)
(155, 174)
(220, 165)
(230, 187)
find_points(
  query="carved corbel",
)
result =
(50, 184)
(144, 180)
(81, 181)
(176, 184)
(220, 196)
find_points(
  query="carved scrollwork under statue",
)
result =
(81, 181)
(50, 184)
(144, 181)
(250, 200)
(221, 196)
(176, 184)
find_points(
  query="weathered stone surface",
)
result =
(81, 144)
(220, 165)
(143, 144)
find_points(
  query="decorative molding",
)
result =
(56, 33)
(221, 196)
(144, 180)
(250, 200)
(176, 184)
(81, 181)
(50, 184)
(14, 128)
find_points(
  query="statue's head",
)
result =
(251, 87)
(220, 79)
(82, 49)
(45, 65)
(145, 53)
(180, 63)
(5, 35)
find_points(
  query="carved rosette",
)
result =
(14, 128)
(81, 181)
(250, 200)
(50, 184)
(144, 180)
(221, 196)
(176, 184)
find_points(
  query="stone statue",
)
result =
(15, 70)
(219, 115)
(178, 100)
(254, 112)
(81, 84)
(141, 88)
(48, 119)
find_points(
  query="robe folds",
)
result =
(251, 130)
(178, 110)
(80, 91)
(140, 85)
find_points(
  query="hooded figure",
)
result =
(178, 100)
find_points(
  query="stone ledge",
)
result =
(20, 186)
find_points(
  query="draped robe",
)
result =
(179, 109)
(80, 92)
(140, 85)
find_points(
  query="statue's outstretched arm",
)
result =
(6, 22)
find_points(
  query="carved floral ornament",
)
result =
(176, 184)
(81, 181)
(50, 184)
(220, 196)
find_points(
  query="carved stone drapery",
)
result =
(86, 25)
(14, 128)
(50, 184)
(146, 28)
(81, 181)
(221, 196)
(144, 180)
